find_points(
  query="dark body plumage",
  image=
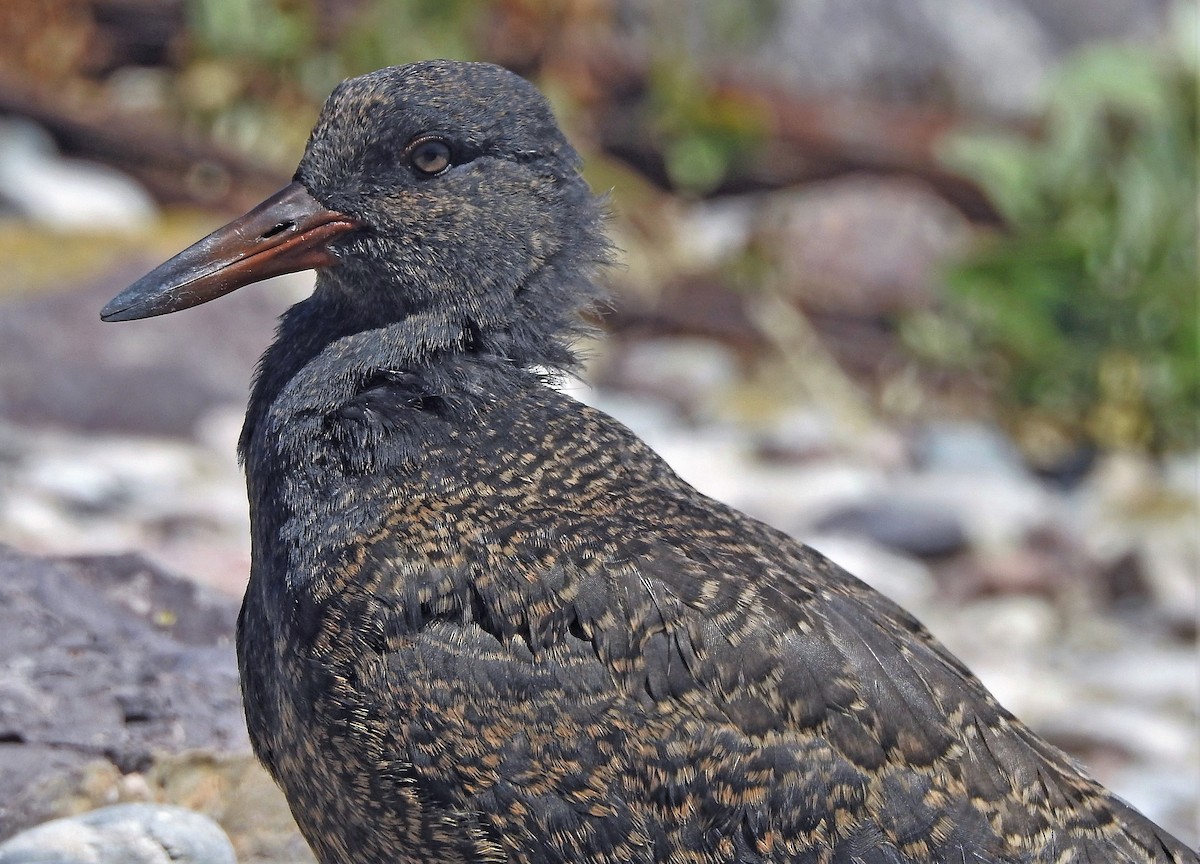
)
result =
(486, 623)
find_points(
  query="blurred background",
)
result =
(915, 282)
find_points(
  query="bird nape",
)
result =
(487, 623)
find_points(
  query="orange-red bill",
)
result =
(290, 231)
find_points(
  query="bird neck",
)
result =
(533, 327)
(305, 330)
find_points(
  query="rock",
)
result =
(1181, 474)
(690, 373)
(920, 528)
(65, 194)
(973, 473)
(60, 364)
(859, 246)
(798, 497)
(118, 684)
(1070, 23)
(809, 433)
(967, 448)
(1004, 640)
(708, 234)
(801, 434)
(108, 660)
(1129, 507)
(234, 790)
(986, 57)
(990, 56)
(1048, 564)
(183, 505)
(991, 514)
(123, 834)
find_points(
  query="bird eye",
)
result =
(430, 156)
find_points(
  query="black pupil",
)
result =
(431, 157)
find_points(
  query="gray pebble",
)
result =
(123, 834)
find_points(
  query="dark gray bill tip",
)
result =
(131, 304)
(288, 232)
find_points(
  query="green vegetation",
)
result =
(256, 69)
(699, 128)
(1083, 313)
(700, 132)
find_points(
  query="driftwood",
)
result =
(813, 139)
(803, 138)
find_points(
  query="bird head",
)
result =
(440, 189)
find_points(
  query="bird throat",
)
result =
(536, 331)
(304, 331)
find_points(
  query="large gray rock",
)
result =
(860, 245)
(60, 365)
(106, 661)
(991, 55)
(118, 684)
(988, 57)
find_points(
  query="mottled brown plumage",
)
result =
(487, 624)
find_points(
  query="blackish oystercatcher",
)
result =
(486, 623)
